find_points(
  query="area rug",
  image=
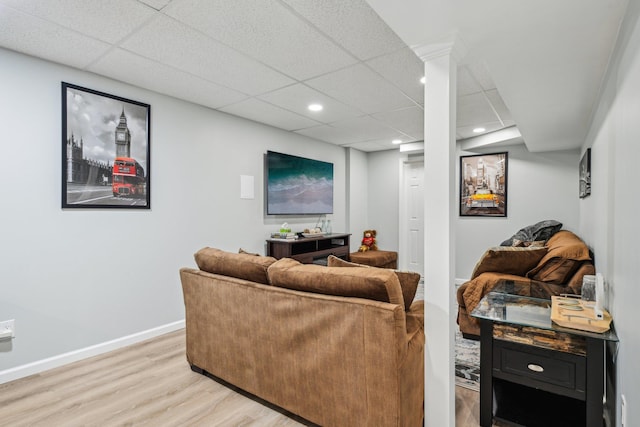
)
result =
(467, 362)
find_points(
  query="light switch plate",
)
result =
(6, 327)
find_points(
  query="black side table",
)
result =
(534, 372)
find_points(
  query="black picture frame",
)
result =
(585, 174)
(483, 185)
(105, 150)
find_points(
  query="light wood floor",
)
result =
(147, 384)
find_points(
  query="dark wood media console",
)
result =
(308, 250)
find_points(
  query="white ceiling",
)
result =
(547, 57)
(266, 60)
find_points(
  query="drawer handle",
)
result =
(535, 368)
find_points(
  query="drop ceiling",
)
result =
(548, 58)
(266, 60)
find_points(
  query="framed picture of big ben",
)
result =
(105, 150)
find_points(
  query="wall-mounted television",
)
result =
(297, 185)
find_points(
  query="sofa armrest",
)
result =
(415, 319)
(472, 291)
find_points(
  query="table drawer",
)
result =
(550, 370)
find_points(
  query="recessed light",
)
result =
(423, 79)
(396, 141)
(315, 107)
(478, 130)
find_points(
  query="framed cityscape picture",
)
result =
(585, 174)
(105, 150)
(483, 185)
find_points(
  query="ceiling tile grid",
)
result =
(262, 60)
(37, 37)
(409, 121)
(134, 69)
(298, 97)
(352, 24)
(360, 87)
(365, 128)
(171, 42)
(156, 4)
(403, 69)
(260, 111)
(267, 31)
(107, 21)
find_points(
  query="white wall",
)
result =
(539, 186)
(357, 195)
(608, 218)
(384, 198)
(70, 278)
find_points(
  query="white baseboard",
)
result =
(84, 353)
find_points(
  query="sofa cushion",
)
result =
(509, 260)
(371, 283)
(565, 254)
(382, 259)
(408, 279)
(241, 266)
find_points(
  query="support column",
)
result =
(439, 211)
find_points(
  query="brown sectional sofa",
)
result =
(335, 346)
(558, 267)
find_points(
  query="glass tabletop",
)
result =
(526, 303)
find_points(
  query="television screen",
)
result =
(297, 186)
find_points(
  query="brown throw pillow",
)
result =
(371, 283)
(565, 254)
(509, 260)
(241, 266)
(408, 279)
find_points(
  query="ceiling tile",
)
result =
(133, 69)
(466, 84)
(156, 4)
(168, 41)
(353, 24)
(297, 97)
(361, 88)
(465, 132)
(226, 51)
(267, 31)
(263, 112)
(474, 109)
(498, 104)
(108, 21)
(403, 69)
(409, 121)
(27, 34)
(326, 133)
(364, 129)
(481, 74)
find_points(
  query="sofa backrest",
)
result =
(371, 283)
(509, 260)
(241, 265)
(409, 280)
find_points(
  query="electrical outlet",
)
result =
(8, 329)
(623, 410)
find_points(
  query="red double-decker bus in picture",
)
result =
(128, 178)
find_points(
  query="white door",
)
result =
(412, 216)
